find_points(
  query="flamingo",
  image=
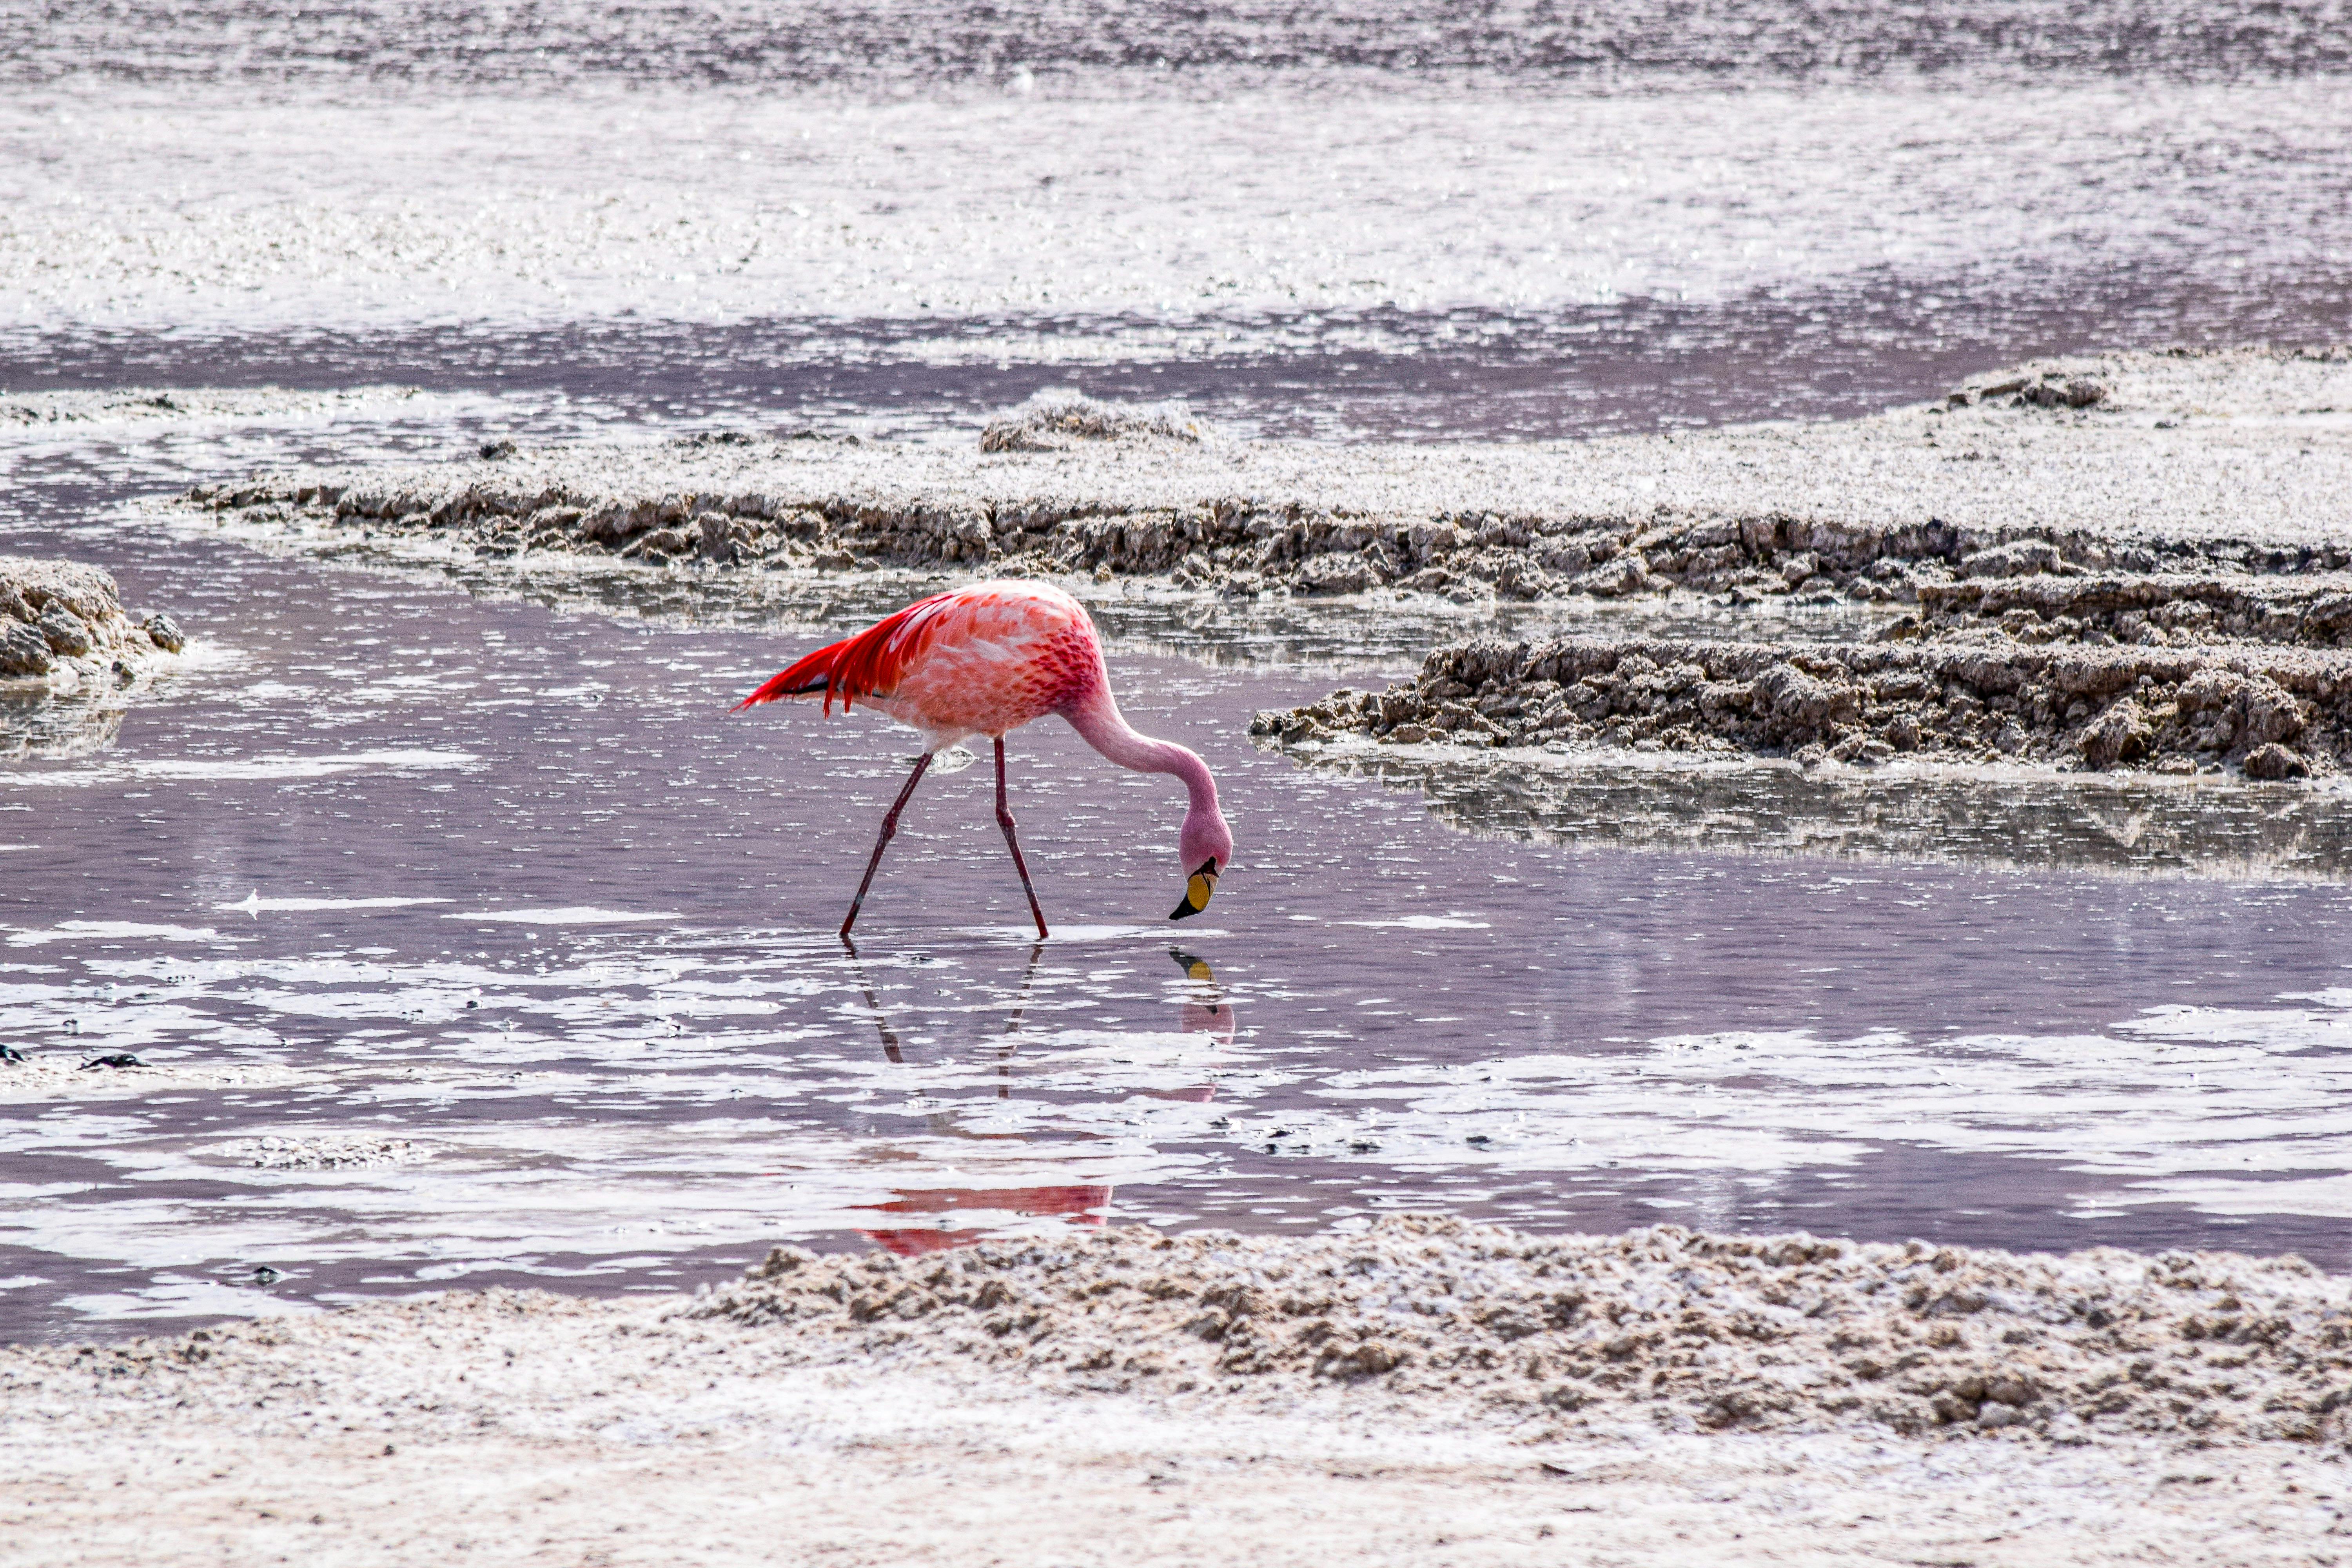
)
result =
(985, 659)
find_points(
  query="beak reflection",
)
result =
(1204, 1012)
(1199, 888)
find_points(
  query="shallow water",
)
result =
(476, 943)
(505, 881)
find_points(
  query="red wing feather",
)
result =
(868, 665)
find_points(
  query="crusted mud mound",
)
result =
(61, 615)
(1057, 420)
(69, 655)
(2226, 465)
(2157, 610)
(1693, 1329)
(321, 1152)
(2268, 713)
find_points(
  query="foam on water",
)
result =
(254, 904)
(108, 932)
(572, 915)
(167, 770)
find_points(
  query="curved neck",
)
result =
(1097, 720)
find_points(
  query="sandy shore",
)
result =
(994, 1404)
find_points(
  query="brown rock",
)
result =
(1619, 577)
(2274, 761)
(2271, 712)
(23, 650)
(1335, 571)
(2118, 735)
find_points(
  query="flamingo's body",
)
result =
(985, 660)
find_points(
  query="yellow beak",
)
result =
(1199, 888)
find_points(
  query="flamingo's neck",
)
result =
(1097, 721)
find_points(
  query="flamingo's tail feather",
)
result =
(868, 665)
(806, 678)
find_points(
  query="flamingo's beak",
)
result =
(1199, 888)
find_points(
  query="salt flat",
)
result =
(964, 1408)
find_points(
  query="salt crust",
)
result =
(1692, 1331)
(2238, 462)
(903, 49)
(32, 412)
(525, 1428)
(920, 226)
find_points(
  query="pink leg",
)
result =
(1005, 820)
(890, 827)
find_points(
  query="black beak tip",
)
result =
(1184, 912)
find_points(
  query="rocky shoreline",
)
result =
(2154, 610)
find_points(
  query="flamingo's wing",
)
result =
(868, 665)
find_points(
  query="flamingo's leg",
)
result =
(1005, 820)
(889, 828)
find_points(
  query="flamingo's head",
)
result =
(1206, 850)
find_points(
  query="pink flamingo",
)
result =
(985, 660)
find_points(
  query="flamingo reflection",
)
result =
(1204, 1011)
